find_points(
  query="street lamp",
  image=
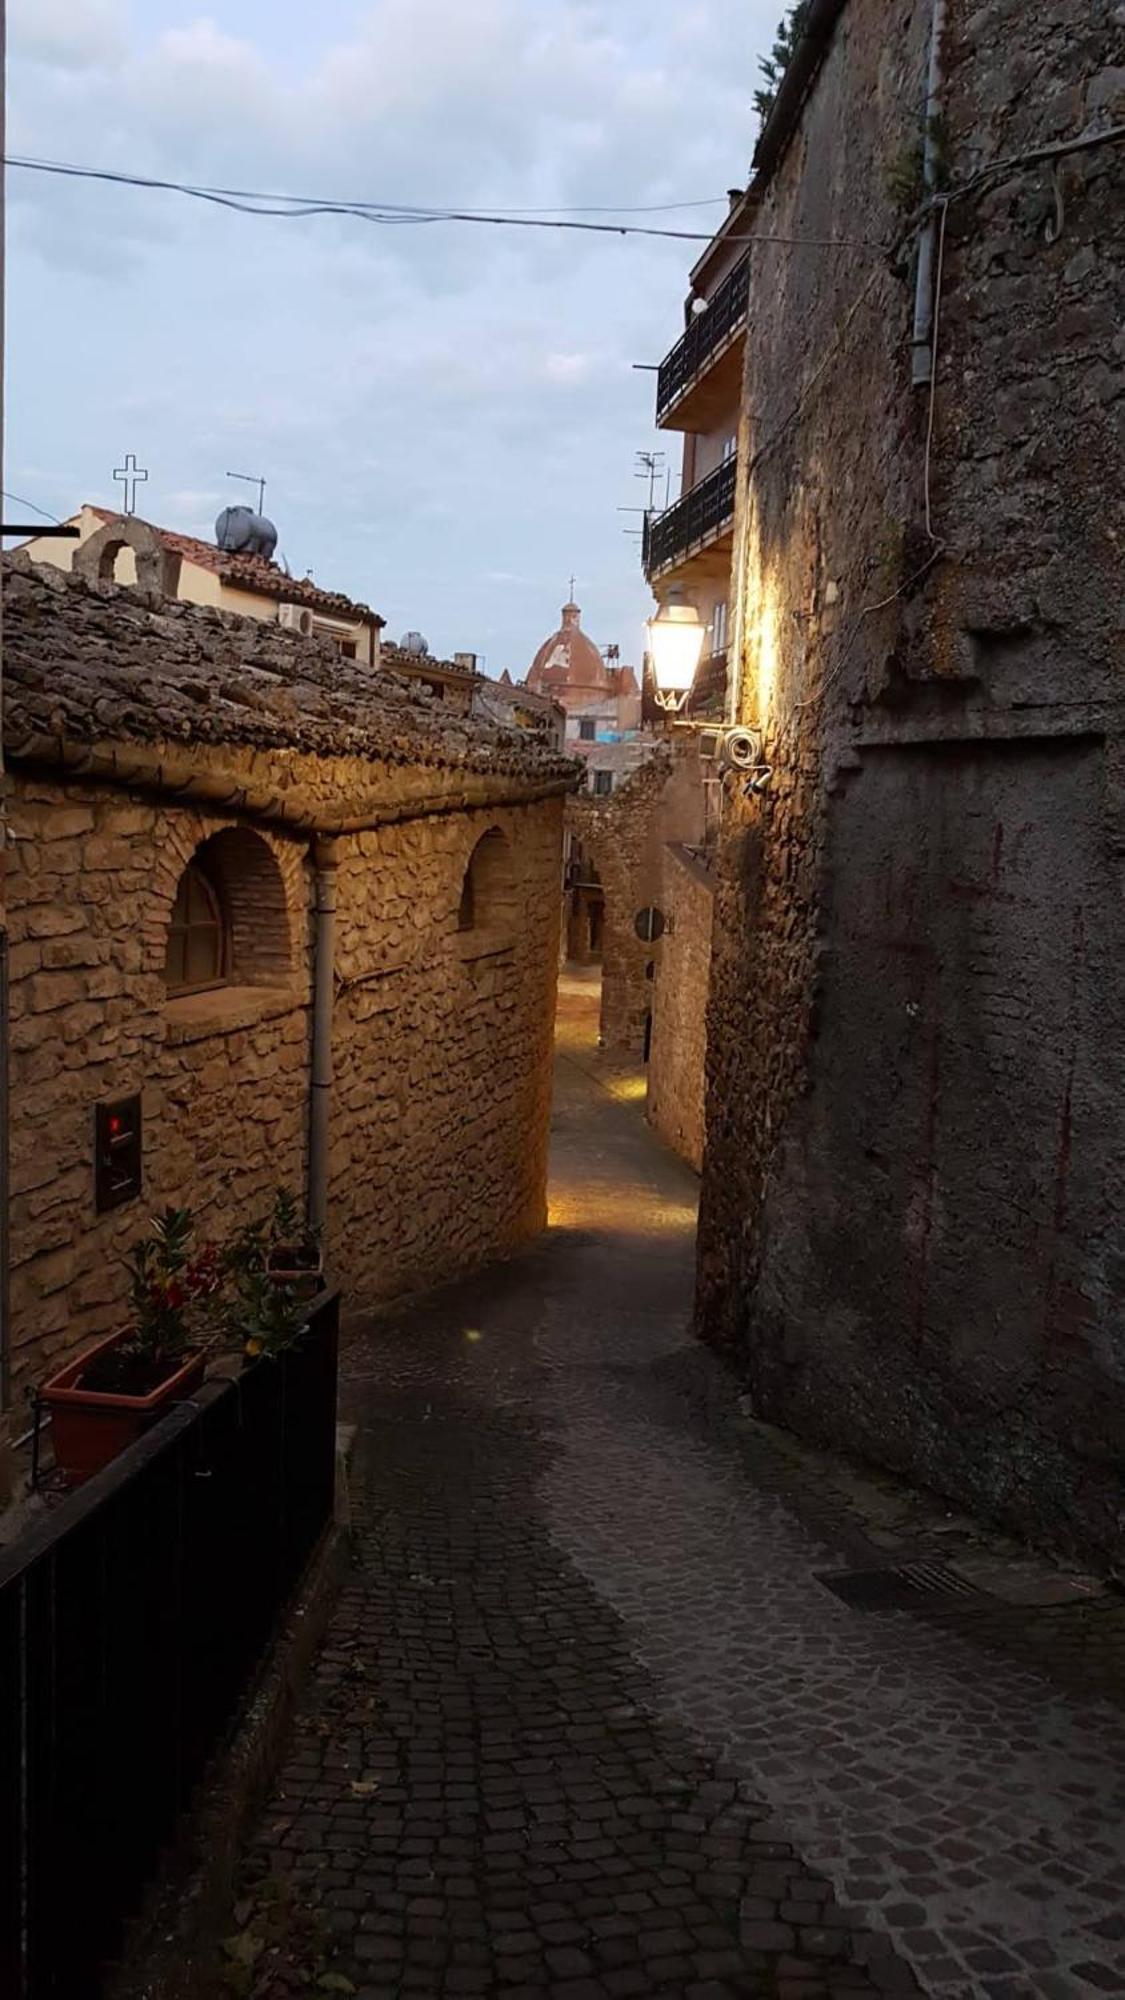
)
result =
(675, 637)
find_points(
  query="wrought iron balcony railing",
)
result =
(724, 314)
(701, 514)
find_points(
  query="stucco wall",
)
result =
(442, 1052)
(911, 1210)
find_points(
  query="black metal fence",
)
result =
(726, 311)
(131, 1624)
(701, 513)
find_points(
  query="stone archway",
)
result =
(158, 567)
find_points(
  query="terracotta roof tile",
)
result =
(254, 573)
(93, 663)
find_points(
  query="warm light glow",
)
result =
(763, 634)
(675, 637)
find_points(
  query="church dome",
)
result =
(568, 659)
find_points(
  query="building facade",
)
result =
(913, 1192)
(119, 548)
(190, 795)
(646, 853)
(601, 701)
(687, 548)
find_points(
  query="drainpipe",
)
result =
(5, 1327)
(922, 338)
(324, 855)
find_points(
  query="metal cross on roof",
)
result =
(130, 475)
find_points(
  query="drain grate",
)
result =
(912, 1586)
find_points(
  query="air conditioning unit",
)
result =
(296, 618)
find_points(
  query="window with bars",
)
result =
(603, 783)
(198, 951)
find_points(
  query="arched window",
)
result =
(487, 906)
(230, 923)
(198, 953)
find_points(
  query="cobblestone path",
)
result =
(587, 1725)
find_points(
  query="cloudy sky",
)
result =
(446, 415)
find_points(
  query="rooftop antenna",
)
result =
(253, 479)
(650, 466)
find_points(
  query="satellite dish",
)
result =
(241, 532)
(414, 643)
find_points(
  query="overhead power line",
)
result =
(287, 207)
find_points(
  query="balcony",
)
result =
(698, 383)
(697, 531)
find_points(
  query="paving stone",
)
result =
(624, 1743)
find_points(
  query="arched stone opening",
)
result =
(157, 567)
(230, 920)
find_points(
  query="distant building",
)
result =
(200, 572)
(602, 702)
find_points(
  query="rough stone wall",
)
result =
(678, 1050)
(442, 1050)
(912, 1199)
(621, 836)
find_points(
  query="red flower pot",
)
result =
(89, 1427)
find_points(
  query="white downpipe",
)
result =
(922, 338)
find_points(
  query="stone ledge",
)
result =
(194, 1016)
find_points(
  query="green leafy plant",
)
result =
(171, 1288)
(774, 66)
(264, 1306)
(905, 177)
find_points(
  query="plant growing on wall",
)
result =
(774, 66)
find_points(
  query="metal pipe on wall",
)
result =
(324, 854)
(922, 344)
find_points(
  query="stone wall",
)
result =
(679, 1004)
(442, 1048)
(654, 994)
(911, 1209)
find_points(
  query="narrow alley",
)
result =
(587, 1724)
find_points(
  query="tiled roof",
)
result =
(98, 663)
(254, 573)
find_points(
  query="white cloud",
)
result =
(433, 405)
(66, 34)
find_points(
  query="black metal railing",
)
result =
(131, 1624)
(701, 513)
(725, 312)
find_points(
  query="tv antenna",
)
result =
(253, 479)
(650, 466)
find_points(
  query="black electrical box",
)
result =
(117, 1152)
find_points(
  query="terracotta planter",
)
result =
(89, 1427)
(285, 1268)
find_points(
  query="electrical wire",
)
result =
(21, 502)
(934, 373)
(389, 214)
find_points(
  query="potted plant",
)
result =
(293, 1253)
(117, 1388)
(272, 1267)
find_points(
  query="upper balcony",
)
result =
(696, 534)
(699, 382)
